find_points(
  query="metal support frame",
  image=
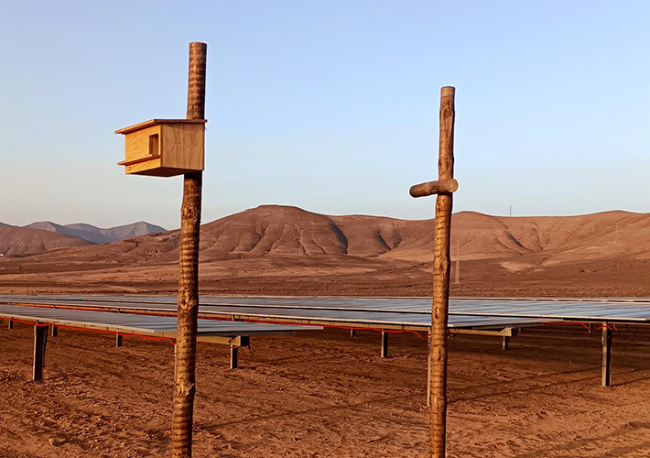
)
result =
(353, 332)
(40, 342)
(118, 340)
(10, 324)
(233, 342)
(241, 341)
(505, 332)
(384, 344)
(505, 342)
(234, 353)
(54, 330)
(607, 355)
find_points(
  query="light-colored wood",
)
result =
(152, 122)
(182, 146)
(136, 144)
(164, 147)
(434, 187)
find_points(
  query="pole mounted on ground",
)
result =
(444, 188)
(188, 284)
(165, 148)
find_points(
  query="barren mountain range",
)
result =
(30, 239)
(278, 249)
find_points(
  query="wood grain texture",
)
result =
(188, 285)
(183, 146)
(441, 269)
(165, 149)
(447, 186)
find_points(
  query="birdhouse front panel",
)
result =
(182, 146)
(164, 147)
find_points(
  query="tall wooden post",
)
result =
(444, 188)
(441, 268)
(188, 286)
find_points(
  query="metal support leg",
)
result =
(591, 327)
(10, 324)
(118, 340)
(384, 345)
(506, 340)
(234, 353)
(54, 331)
(607, 355)
(353, 332)
(40, 341)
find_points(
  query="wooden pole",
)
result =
(188, 285)
(441, 268)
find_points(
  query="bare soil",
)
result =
(329, 395)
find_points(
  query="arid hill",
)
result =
(98, 235)
(21, 241)
(281, 230)
(309, 253)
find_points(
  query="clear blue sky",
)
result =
(331, 106)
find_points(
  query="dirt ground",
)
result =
(327, 394)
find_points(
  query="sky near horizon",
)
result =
(331, 106)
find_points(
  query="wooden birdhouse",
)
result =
(164, 147)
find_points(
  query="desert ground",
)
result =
(327, 394)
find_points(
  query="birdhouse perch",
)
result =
(164, 147)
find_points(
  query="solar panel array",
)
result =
(411, 313)
(138, 324)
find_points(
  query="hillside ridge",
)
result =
(290, 231)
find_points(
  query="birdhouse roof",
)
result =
(155, 122)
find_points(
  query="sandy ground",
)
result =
(329, 395)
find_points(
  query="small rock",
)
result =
(56, 441)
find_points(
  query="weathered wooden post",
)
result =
(444, 187)
(164, 148)
(188, 285)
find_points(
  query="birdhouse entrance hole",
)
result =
(154, 149)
